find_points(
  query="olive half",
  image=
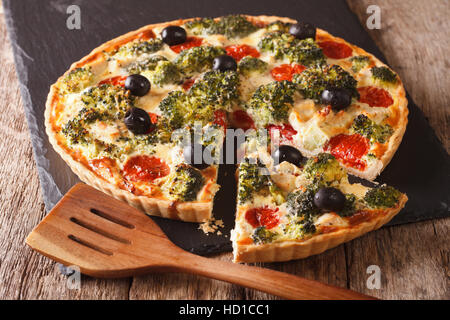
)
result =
(138, 121)
(173, 35)
(224, 63)
(289, 154)
(338, 98)
(137, 84)
(329, 198)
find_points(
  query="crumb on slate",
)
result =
(211, 226)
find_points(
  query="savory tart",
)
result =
(120, 117)
(301, 207)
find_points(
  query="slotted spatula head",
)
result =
(105, 237)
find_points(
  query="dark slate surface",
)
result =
(44, 48)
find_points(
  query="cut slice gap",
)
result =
(224, 205)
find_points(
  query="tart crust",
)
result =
(290, 250)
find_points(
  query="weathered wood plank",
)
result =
(24, 274)
(413, 258)
(409, 257)
(329, 267)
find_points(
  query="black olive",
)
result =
(138, 121)
(338, 98)
(224, 63)
(137, 84)
(173, 35)
(329, 198)
(289, 154)
(303, 30)
(197, 162)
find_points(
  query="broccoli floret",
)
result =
(148, 141)
(197, 59)
(308, 226)
(105, 102)
(285, 45)
(382, 197)
(75, 129)
(254, 178)
(301, 203)
(112, 99)
(323, 169)
(383, 76)
(216, 88)
(184, 183)
(250, 64)
(173, 109)
(276, 193)
(164, 73)
(251, 179)
(77, 79)
(202, 26)
(349, 206)
(177, 111)
(148, 64)
(262, 235)
(158, 69)
(278, 26)
(312, 81)
(232, 26)
(297, 228)
(209, 94)
(276, 42)
(306, 52)
(302, 212)
(359, 62)
(270, 103)
(109, 103)
(139, 47)
(369, 129)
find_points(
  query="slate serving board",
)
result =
(44, 48)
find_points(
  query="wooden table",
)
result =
(414, 258)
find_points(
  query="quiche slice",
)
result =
(112, 116)
(287, 212)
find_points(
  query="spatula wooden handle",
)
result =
(274, 282)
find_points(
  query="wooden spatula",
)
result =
(107, 238)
